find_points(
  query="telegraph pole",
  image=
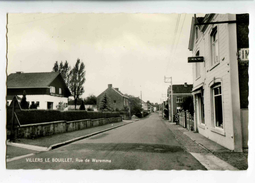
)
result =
(170, 100)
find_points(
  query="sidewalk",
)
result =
(30, 146)
(197, 143)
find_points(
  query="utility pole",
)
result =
(170, 100)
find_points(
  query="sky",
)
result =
(131, 51)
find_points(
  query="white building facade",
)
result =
(215, 91)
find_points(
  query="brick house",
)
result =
(117, 100)
(46, 89)
(220, 78)
(180, 93)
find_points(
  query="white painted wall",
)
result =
(43, 99)
(223, 73)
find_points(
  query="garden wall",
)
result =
(55, 127)
(38, 123)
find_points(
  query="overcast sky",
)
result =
(131, 51)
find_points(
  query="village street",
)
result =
(146, 144)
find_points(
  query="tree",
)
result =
(24, 104)
(105, 104)
(64, 69)
(135, 106)
(77, 79)
(55, 67)
(188, 104)
(91, 100)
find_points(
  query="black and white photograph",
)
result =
(145, 91)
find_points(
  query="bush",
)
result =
(90, 109)
(39, 116)
(145, 113)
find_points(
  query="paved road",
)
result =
(146, 144)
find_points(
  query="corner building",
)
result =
(220, 78)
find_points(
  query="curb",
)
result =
(54, 146)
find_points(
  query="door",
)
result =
(49, 105)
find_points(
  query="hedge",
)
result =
(37, 116)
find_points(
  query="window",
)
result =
(114, 101)
(52, 89)
(60, 91)
(179, 100)
(214, 47)
(199, 106)
(217, 106)
(196, 33)
(197, 66)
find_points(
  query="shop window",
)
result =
(214, 47)
(217, 106)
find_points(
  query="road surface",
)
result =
(146, 144)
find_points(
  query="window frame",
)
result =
(214, 107)
(198, 66)
(52, 89)
(214, 46)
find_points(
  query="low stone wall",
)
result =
(56, 127)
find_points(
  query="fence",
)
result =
(186, 120)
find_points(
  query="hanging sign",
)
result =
(195, 59)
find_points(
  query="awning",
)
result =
(197, 88)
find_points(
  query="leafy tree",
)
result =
(135, 106)
(188, 104)
(77, 79)
(91, 100)
(105, 104)
(24, 104)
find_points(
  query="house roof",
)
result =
(31, 80)
(182, 88)
(116, 90)
(119, 92)
(206, 18)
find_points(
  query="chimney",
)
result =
(109, 85)
(185, 84)
(117, 89)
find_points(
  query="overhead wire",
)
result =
(175, 32)
(178, 39)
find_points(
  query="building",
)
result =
(220, 48)
(117, 100)
(180, 93)
(46, 89)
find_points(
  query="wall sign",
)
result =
(195, 59)
(244, 54)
